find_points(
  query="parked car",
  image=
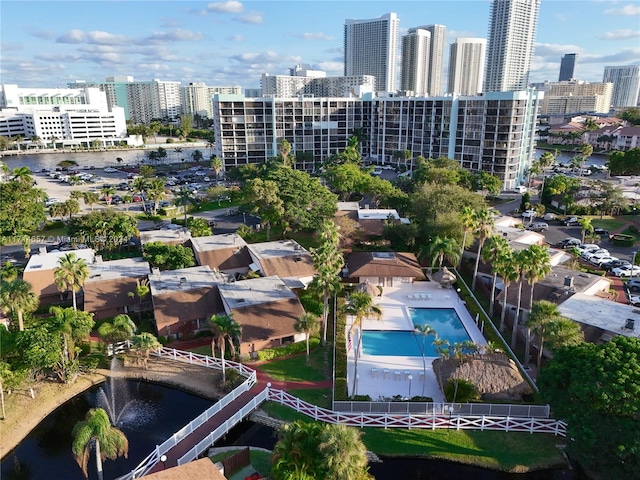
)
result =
(52, 201)
(614, 264)
(529, 214)
(587, 248)
(569, 243)
(549, 216)
(600, 231)
(627, 271)
(588, 255)
(538, 227)
(599, 260)
(571, 221)
(634, 300)
(634, 284)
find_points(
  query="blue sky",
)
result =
(51, 43)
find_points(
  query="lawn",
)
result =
(296, 369)
(608, 223)
(203, 350)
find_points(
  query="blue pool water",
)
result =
(445, 321)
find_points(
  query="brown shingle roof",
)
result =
(202, 469)
(183, 306)
(109, 294)
(365, 264)
(268, 320)
(42, 282)
(225, 259)
(300, 265)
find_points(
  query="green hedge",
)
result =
(286, 350)
(340, 388)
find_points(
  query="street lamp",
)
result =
(163, 459)
(410, 377)
(450, 414)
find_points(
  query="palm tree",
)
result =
(563, 333)
(327, 262)
(108, 193)
(484, 229)
(183, 199)
(217, 165)
(143, 344)
(90, 198)
(96, 429)
(546, 160)
(23, 175)
(141, 291)
(507, 271)
(8, 272)
(537, 267)
(467, 218)
(307, 323)
(360, 306)
(424, 330)
(18, 141)
(492, 255)
(441, 248)
(156, 192)
(225, 331)
(520, 261)
(71, 274)
(586, 227)
(120, 329)
(543, 314)
(16, 296)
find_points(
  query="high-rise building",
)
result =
(512, 30)
(416, 49)
(287, 86)
(436, 58)
(491, 133)
(568, 67)
(196, 98)
(626, 85)
(370, 49)
(466, 66)
(575, 96)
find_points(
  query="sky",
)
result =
(52, 43)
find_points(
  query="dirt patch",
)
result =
(25, 413)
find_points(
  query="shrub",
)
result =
(633, 229)
(466, 391)
(170, 140)
(286, 350)
(361, 398)
(340, 388)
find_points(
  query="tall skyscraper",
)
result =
(436, 58)
(626, 85)
(466, 66)
(416, 50)
(370, 49)
(568, 67)
(512, 29)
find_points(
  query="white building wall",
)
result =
(626, 85)
(416, 48)
(466, 66)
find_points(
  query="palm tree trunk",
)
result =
(504, 308)
(355, 363)
(540, 348)
(493, 293)
(20, 321)
(424, 367)
(98, 460)
(307, 335)
(325, 316)
(475, 270)
(224, 376)
(73, 293)
(464, 240)
(514, 332)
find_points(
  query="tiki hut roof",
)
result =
(368, 288)
(495, 375)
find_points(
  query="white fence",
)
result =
(427, 408)
(433, 421)
(195, 359)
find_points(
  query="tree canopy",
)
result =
(625, 163)
(21, 207)
(104, 229)
(596, 389)
(168, 257)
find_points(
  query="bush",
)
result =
(170, 140)
(466, 391)
(361, 398)
(286, 350)
(340, 388)
(623, 240)
(633, 229)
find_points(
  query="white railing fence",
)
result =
(426, 408)
(432, 421)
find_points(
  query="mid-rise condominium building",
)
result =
(466, 66)
(492, 133)
(196, 98)
(568, 67)
(512, 30)
(61, 117)
(576, 97)
(286, 86)
(626, 85)
(423, 59)
(370, 49)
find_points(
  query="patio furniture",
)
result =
(397, 376)
(410, 296)
(429, 296)
(385, 373)
(423, 295)
(374, 373)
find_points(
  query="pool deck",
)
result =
(387, 376)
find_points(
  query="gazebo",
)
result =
(368, 288)
(444, 277)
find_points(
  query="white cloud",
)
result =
(72, 36)
(630, 10)
(621, 34)
(557, 50)
(177, 35)
(251, 17)
(106, 38)
(231, 6)
(236, 38)
(313, 36)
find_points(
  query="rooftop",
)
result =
(114, 269)
(164, 236)
(183, 279)
(49, 261)
(377, 214)
(281, 248)
(218, 242)
(255, 291)
(601, 313)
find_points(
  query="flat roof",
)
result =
(255, 291)
(377, 214)
(113, 269)
(217, 242)
(602, 313)
(348, 206)
(49, 260)
(183, 279)
(164, 236)
(281, 248)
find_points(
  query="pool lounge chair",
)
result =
(374, 373)
(385, 373)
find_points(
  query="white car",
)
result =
(627, 271)
(529, 214)
(110, 170)
(587, 246)
(52, 201)
(595, 253)
(599, 260)
(634, 300)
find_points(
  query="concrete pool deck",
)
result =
(387, 376)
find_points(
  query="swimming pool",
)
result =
(444, 321)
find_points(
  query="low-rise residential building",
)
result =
(184, 300)
(178, 236)
(267, 310)
(386, 269)
(372, 221)
(39, 272)
(226, 252)
(108, 288)
(285, 258)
